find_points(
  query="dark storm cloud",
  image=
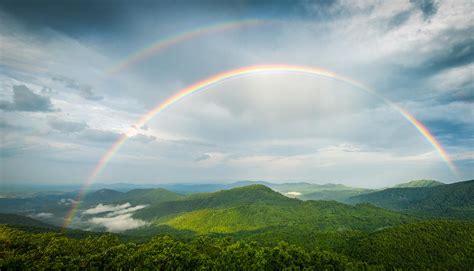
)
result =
(457, 53)
(26, 100)
(84, 90)
(112, 17)
(427, 7)
(67, 16)
(100, 135)
(67, 126)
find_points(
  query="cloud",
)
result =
(118, 217)
(427, 7)
(67, 126)
(145, 139)
(118, 223)
(7, 126)
(202, 157)
(100, 135)
(84, 90)
(86, 93)
(66, 202)
(100, 208)
(25, 99)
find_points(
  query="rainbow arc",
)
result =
(248, 71)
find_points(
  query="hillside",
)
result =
(450, 200)
(419, 183)
(31, 225)
(253, 194)
(22, 251)
(23, 221)
(446, 245)
(257, 207)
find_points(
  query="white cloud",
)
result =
(118, 217)
(118, 223)
(101, 208)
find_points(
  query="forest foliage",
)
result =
(438, 244)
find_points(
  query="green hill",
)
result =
(446, 245)
(450, 200)
(24, 221)
(257, 207)
(150, 196)
(103, 196)
(419, 183)
(252, 194)
(31, 225)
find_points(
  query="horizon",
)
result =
(30, 187)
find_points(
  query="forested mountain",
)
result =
(419, 183)
(451, 200)
(433, 245)
(257, 207)
(23, 221)
(443, 245)
(245, 227)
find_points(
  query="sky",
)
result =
(64, 101)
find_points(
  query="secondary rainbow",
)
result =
(173, 40)
(246, 71)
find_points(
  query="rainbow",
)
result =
(170, 41)
(237, 73)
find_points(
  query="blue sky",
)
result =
(61, 111)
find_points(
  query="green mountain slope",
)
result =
(150, 196)
(257, 207)
(252, 194)
(31, 225)
(23, 221)
(451, 200)
(447, 245)
(320, 216)
(419, 183)
(103, 196)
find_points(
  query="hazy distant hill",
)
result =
(309, 191)
(257, 207)
(451, 200)
(135, 196)
(302, 190)
(103, 196)
(419, 183)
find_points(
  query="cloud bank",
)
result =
(117, 218)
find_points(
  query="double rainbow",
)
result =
(237, 73)
(173, 40)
